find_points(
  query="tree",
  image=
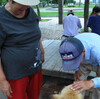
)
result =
(79, 3)
(38, 12)
(55, 1)
(2, 2)
(48, 2)
(60, 2)
(86, 14)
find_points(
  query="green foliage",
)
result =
(43, 3)
(56, 1)
(2, 2)
(49, 1)
(69, 1)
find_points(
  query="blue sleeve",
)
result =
(96, 82)
(89, 23)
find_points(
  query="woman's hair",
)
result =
(96, 9)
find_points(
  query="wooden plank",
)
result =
(58, 64)
(49, 53)
(54, 46)
(58, 74)
(51, 62)
(46, 43)
(66, 74)
(92, 74)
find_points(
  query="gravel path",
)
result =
(51, 29)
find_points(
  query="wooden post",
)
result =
(38, 12)
(79, 3)
(60, 10)
(86, 14)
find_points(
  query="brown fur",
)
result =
(67, 93)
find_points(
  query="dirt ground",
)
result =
(52, 85)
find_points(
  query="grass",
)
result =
(65, 6)
(43, 20)
(82, 6)
(55, 14)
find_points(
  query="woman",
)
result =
(22, 53)
(94, 20)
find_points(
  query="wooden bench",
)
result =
(53, 63)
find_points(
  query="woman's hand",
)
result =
(77, 75)
(82, 85)
(5, 88)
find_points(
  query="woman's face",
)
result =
(17, 8)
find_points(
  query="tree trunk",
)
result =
(38, 12)
(79, 3)
(47, 2)
(86, 14)
(60, 3)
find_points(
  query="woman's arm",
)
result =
(2, 75)
(42, 51)
(4, 84)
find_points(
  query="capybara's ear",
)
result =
(54, 96)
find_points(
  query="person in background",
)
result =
(71, 24)
(21, 50)
(94, 20)
(82, 55)
(94, 10)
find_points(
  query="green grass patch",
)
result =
(55, 14)
(44, 20)
(82, 5)
(49, 14)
